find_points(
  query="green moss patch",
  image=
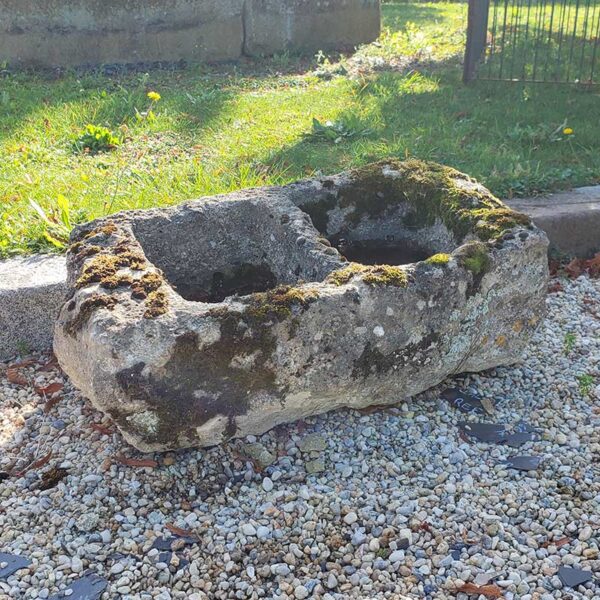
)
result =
(475, 257)
(370, 274)
(278, 303)
(439, 260)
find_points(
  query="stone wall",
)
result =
(50, 33)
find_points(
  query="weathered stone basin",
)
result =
(226, 316)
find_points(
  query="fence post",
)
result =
(476, 37)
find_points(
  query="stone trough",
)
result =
(226, 316)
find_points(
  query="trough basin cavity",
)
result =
(229, 315)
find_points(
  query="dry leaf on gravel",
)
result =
(554, 287)
(490, 591)
(51, 403)
(136, 462)
(36, 464)
(558, 543)
(103, 429)
(14, 377)
(49, 389)
(179, 531)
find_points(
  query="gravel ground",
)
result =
(398, 505)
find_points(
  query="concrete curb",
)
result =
(32, 289)
(571, 219)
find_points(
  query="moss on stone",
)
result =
(475, 257)
(87, 308)
(371, 274)
(103, 268)
(148, 282)
(117, 280)
(278, 303)
(439, 260)
(433, 191)
(157, 304)
(492, 223)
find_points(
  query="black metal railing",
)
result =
(533, 40)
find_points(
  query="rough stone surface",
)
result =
(92, 32)
(32, 290)
(156, 335)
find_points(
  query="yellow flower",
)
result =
(567, 131)
(154, 96)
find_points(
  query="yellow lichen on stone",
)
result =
(370, 274)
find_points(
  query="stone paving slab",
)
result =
(571, 219)
(32, 288)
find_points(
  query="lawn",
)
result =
(216, 129)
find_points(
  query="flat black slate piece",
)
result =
(574, 577)
(465, 402)
(165, 544)
(516, 440)
(485, 432)
(88, 587)
(14, 564)
(523, 463)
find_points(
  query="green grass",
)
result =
(219, 129)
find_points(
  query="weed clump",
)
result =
(95, 139)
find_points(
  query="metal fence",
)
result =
(533, 40)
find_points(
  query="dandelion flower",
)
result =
(567, 131)
(154, 96)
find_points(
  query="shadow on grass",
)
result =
(509, 136)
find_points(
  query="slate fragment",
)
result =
(88, 587)
(574, 577)
(485, 432)
(14, 563)
(463, 401)
(523, 463)
(516, 440)
(166, 544)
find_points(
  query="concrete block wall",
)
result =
(52, 33)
